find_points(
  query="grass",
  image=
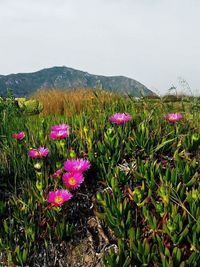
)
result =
(143, 184)
(60, 102)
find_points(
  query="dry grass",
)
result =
(74, 101)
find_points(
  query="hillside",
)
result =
(25, 84)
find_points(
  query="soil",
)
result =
(91, 240)
(84, 252)
(87, 245)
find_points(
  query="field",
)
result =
(139, 202)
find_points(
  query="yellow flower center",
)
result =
(72, 181)
(59, 134)
(58, 200)
(39, 154)
(120, 118)
(78, 167)
(172, 118)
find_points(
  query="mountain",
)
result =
(25, 84)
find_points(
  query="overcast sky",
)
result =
(152, 41)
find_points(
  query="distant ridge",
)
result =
(25, 84)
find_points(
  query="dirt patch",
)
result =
(85, 252)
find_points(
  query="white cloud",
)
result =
(153, 41)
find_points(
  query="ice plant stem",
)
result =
(60, 145)
(45, 174)
(39, 180)
(176, 130)
(122, 137)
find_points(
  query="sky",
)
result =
(156, 42)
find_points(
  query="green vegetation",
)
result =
(143, 183)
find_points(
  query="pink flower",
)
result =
(57, 174)
(76, 165)
(38, 152)
(73, 180)
(173, 117)
(18, 136)
(58, 197)
(120, 118)
(61, 134)
(60, 131)
(60, 127)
